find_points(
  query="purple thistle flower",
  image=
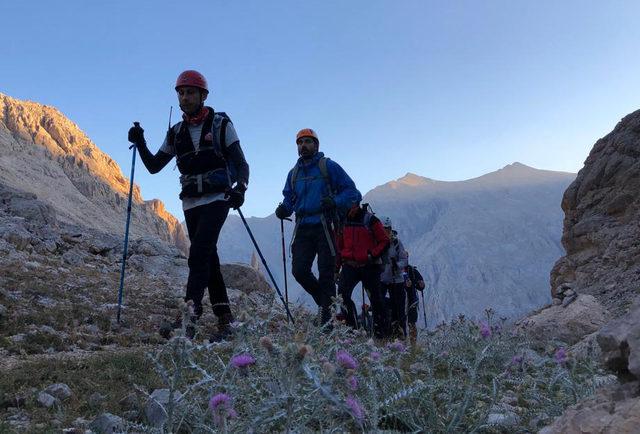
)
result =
(396, 346)
(346, 360)
(485, 330)
(242, 360)
(356, 408)
(218, 400)
(516, 360)
(375, 355)
(221, 408)
(561, 357)
(352, 382)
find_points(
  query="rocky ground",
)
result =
(58, 304)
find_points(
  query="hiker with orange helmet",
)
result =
(320, 193)
(214, 177)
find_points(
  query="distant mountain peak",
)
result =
(413, 180)
(517, 164)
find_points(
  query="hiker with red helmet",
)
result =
(362, 244)
(320, 193)
(214, 177)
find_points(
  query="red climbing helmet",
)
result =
(192, 78)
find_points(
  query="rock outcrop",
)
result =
(601, 231)
(44, 153)
(566, 324)
(600, 236)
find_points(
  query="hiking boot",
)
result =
(223, 332)
(397, 331)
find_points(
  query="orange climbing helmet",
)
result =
(307, 132)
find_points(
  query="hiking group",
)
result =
(350, 243)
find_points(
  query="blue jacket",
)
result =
(304, 199)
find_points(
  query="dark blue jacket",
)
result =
(304, 199)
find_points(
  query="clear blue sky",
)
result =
(449, 90)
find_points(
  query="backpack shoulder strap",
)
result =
(220, 122)
(324, 172)
(294, 177)
(322, 164)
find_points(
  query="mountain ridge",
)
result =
(45, 153)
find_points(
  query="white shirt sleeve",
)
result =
(166, 148)
(231, 135)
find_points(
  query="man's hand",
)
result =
(136, 134)
(327, 203)
(235, 196)
(421, 285)
(282, 212)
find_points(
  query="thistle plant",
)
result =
(274, 377)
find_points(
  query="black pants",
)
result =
(204, 224)
(369, 275)
(309, 241)
(412, 305)
(397, 301)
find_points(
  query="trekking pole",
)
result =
(126, 228)
(424, 311)
(284, 261)
(264, 262)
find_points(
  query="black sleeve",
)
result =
(153, 163)
(418, 276)
(236, 157)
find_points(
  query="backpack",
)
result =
(322, 165)
(216, 179)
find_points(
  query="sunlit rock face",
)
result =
(43, 152)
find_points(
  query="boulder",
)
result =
(156, 409)
(614, 409)
(107, 423)
(567, 324)
(45, 400)
(59, 390)
(245, 278)
(619, 341)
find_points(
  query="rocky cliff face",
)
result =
(601, 230)
(595, 286)
(44, 153)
